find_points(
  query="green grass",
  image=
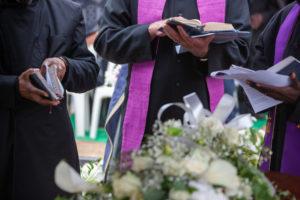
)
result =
(101, 133)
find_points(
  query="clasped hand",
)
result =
(28, 91)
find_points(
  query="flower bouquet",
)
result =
(201, 158)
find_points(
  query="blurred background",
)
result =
(88, 111)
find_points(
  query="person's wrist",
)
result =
(65, 61)
(151, 31)
(202, 56)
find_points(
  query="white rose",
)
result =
(232, 136)
(204, 191)
(141, 163)
(127, 186)
(170, 166)
(212, 126)
(197, 163)
(223, 173)
(92, 173)
(178, 195)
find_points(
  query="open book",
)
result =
(277, 75)
(50, 84)
(223, 32)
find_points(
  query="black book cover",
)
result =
(294, 66)
(39, 82)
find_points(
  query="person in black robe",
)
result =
(120, 40)
(261, 12)
(289, 111)
(36, 133)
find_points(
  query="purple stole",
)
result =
(141, 74)
(290, 162)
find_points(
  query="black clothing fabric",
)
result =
(92, 11)
(264, 58)
(267, 8)
(122, 40)
(32, 141)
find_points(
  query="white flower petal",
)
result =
(67, 179)
(222, 173)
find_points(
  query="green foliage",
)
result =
(65, 198)
(261, 187)
(156, 194)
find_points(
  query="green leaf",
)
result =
(64, 198)
(156, 194)
(175, 132)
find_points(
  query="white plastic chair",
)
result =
(101, 93)
(80, 107)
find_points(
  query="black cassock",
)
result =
(121, 40)
(32, 141)
(264, 58)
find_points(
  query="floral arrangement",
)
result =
(201, 158)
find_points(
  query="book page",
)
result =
(258, 100)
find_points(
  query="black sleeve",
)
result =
(236, 52)
(8, 86)
(82, 69)
(120, 40)
(295, 116)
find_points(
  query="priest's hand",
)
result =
(289, 94)
(197, 46)
(60, 65)
(155, 29)
(29, 92)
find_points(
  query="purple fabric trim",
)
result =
(285, 32)
(140, 83)
(290, 163)
(212, 11)
(141, 73)
(137, 106)
(215, 90)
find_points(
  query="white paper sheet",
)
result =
(258, 100)
(260, 76)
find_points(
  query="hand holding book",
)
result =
(28, 91)
(223, 32)
(197, 46)
(43, 85)
(287, 94)
(60, 65)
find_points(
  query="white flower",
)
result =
(67, 179)
(212, 126)
(127, 186)
(232, 136)
(92, 173)
(179, 195)
(170, 166)
(243, 192)
(222, 173)
(197, 162)
(141, 163)
(205, 192)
